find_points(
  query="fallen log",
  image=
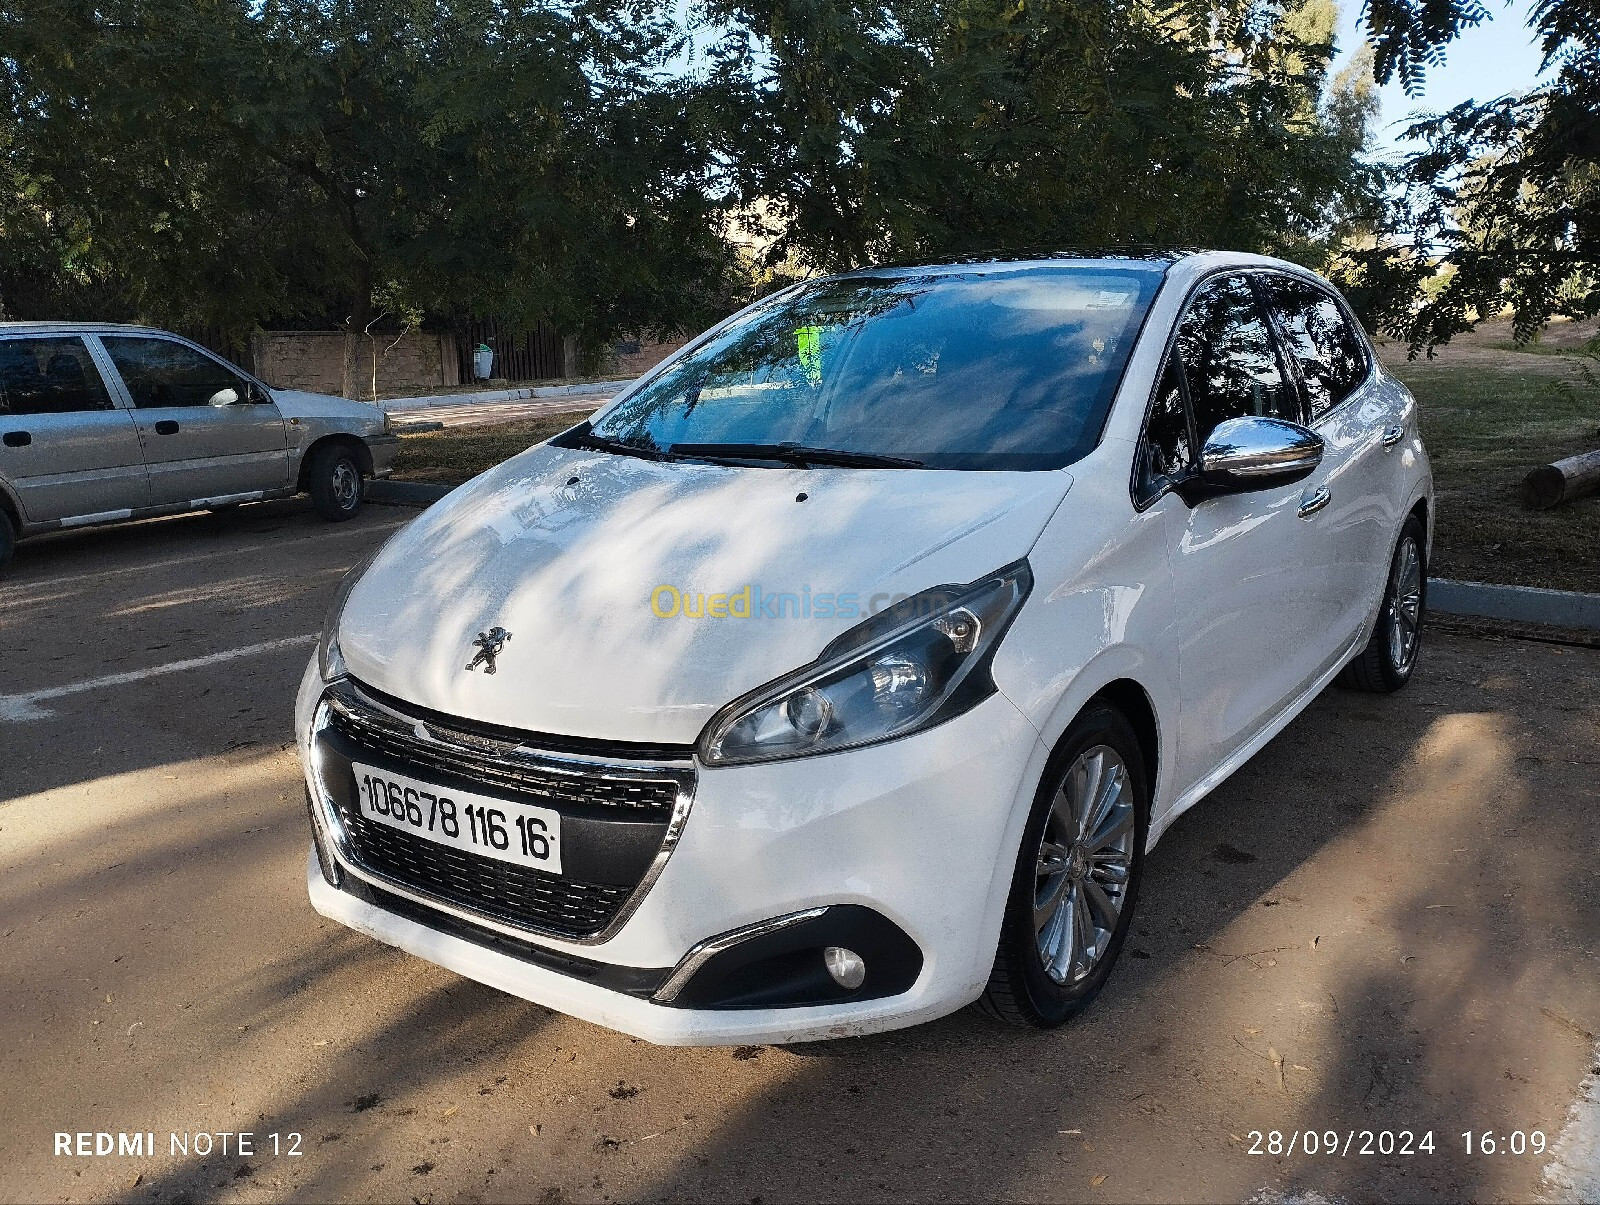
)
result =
(1552, 484)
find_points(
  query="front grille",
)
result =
(497, 764)
(513, 895)
(616, 816)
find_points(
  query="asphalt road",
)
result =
(1388, 921)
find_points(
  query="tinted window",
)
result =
(1319, 337)
(159, 372)
(49, 376)
(1228, 358)
(1167, 451)
(1002, 369)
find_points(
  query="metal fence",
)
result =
(518, 355)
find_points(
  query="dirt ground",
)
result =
(1388, 921)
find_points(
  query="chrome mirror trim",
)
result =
(1255, 451)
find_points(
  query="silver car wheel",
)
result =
(1405, 607)
(1083, 865)
(346, 484)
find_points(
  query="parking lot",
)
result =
(1388, 921)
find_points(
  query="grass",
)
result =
(1489, 414)
(454, 455)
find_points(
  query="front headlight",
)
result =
(330, 661)
(918, 664)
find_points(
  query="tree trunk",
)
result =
(1552, 484)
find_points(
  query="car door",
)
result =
(1244, 565)
(208, 432)
(1360, 425)
(67, 450)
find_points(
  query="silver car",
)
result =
(100, 423)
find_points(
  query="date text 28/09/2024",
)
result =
(1344, 1143)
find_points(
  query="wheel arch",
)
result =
(1132, 702)
(354, 443)
(11, 508)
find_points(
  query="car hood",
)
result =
(297, 403)
(566, 549)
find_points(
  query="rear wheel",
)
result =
(333, 479)
(1076, 878)
(1385, 665)
(8, 539)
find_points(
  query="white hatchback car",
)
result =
(842, 671)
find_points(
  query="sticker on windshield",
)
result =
(809, 344)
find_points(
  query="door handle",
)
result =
(166, 427)
(18, 439)
(1311, 503)
(1393, 435)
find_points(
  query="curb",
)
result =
(406, 493)
(490, 396)
(1519, 604)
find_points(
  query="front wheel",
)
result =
(333, 479)
(1077, 876)
(8, 540)
(1385, 664)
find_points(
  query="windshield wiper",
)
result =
(795, 454)
(583, 436)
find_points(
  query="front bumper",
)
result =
(384, 449)
(922, 830)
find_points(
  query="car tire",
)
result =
(1390, 656)
(1057, 942)
(8, 540)
(333, 478)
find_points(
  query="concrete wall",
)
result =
(346, 364)
(635, 357)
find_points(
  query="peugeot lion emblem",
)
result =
(489, 645)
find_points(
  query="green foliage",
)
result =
(233, 162)
(938, 127)
(225, 164)
(1503, 207)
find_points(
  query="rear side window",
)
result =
(1318, 336)
(160, 372)
(49, 376)
(1228, 358)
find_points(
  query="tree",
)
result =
(1503, 206)
(935, 127)
(230, 163)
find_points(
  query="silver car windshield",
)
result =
(1008, 369)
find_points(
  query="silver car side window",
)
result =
(49, 375)
(164, 372)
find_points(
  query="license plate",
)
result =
(491, 828)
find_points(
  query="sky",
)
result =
(1494, 58)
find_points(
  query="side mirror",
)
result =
(225, 397)
(1253, 453)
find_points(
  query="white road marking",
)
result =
(14, 708)
(204, 556)
(1573, 1173)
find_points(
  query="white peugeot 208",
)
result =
(842, 671)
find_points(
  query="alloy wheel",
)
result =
(1405, 607)
(1083, 865)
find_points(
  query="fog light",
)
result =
(849, 969)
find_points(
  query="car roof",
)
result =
(1186, 262)
(63, 327)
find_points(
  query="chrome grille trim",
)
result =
(347, 696)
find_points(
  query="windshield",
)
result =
(994, 369)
